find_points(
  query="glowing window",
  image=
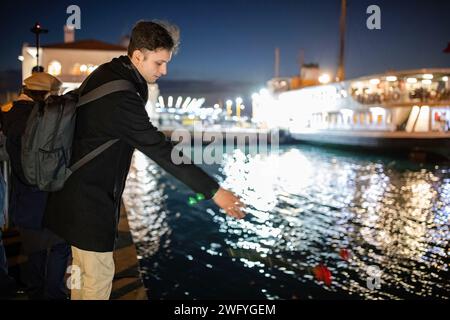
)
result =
(54, 68)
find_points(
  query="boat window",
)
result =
(408, 88)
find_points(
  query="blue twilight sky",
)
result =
(235, 39)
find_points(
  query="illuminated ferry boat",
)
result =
(408, 110)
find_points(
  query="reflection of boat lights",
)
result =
(411, 80)
(374, 81)
(391, 78)
(428, 76)
(170, 102)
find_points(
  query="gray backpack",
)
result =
(47, 140)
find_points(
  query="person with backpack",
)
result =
(47, 254)
(85, 212)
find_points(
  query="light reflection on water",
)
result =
(305, 204)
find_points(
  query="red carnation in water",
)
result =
(322, 273)
(344, 254)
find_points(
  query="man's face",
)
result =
(151, 64)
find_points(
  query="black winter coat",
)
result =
(27, 202)
(86, 211)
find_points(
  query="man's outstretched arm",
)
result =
(133, 126)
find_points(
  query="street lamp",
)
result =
(229, 103)
(238, 106)
(37, 30)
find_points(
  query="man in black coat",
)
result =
(86, 211)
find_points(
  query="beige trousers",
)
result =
(94, 273)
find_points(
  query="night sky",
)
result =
(235, 39)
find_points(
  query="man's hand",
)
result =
(230, 203)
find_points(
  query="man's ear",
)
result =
(137, 55)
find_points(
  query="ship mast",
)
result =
(341, 70)
(277, 62)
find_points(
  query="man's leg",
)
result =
(7, 283)
(3, 261)
(76, 276)
(97, 273)
(35, 274)
(56, 269)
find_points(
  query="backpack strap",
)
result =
(91, 155)
(97, 93)
(104, 89)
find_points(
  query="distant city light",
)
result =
(200, 102)
(324, 78)
(374, 81)
(255, 96)
(391, 78)
(216, 106)
(411, 80)
(229, 103)
(238, 100)
(20, 58)
(91, 68)
(170, 102)
(186, 102)
(83, 68)
(178, 103)
(426, 81)
(428, 76)
(54, 68)
(161, 101)
(445, 78)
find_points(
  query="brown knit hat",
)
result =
(42, 81)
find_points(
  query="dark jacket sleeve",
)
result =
(133, 126)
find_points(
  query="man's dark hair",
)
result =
(152, 35)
